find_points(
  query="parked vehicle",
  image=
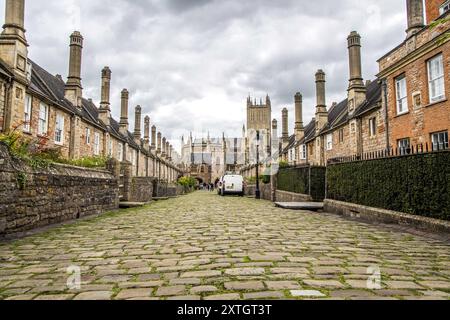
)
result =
(231, 184)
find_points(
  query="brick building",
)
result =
(44, 106)
(417, 81)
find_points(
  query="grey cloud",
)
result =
(192, 63)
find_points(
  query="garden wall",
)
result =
(416, 184)
(32, 198)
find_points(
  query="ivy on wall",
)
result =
(415, 184)
(303, 180)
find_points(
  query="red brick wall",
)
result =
(432, 9)
(421, 121)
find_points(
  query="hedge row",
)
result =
(303, 180)
(416, 184)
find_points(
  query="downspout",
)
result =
(8, 102)
(386, 112)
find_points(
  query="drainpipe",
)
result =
(386, 112)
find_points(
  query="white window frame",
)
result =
(110, 147)
(373, 127)
(88, 136)
(303, 152)
(436, 81)
(439, 140)
(329, 142)
(27, 113)
(133, 157)
(401, 95)
(43, 119)
(404, 145)
(96, 143)
(444, 7)
(120, 152)
(59, 129)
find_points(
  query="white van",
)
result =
(231, 184)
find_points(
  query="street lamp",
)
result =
(257, 191)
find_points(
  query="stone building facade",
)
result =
(416, 77)
(44, 106)
(209, 159)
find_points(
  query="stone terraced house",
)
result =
(42, 105)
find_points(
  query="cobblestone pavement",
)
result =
(202, 246)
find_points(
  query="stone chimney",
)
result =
(299, 128)
(163, 146)
(105, 105)
(158, 150)
(168, 150)
(124, 112)
(153, 145)
(137, 124)
(13, 43)
(285, 126)
(357, 89)
(147, 132)
(321, 108)
(74, 90)
(416, 17)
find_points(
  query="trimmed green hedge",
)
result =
(415, 184)
(297, 180)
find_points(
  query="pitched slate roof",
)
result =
(5, 69)
(53, 89)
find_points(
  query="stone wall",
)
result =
(266, 191)
(35, 198)
(284, 196)
(141, 189)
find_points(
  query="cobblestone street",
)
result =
(202, 246)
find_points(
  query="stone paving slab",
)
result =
(203, 246)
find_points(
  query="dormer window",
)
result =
(444, 7)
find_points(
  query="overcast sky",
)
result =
(191, 64)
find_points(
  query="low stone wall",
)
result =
(35, 198)
(265, 190)
(284, 196)
(376, 215)
(141, 189)
(167, 190)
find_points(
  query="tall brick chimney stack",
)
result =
(74, 90)
(158, 150)
(153, 145)
(147, 132)
(285, 126)
(356, 89)
(321, 108)
(137, 124)
(168, 150)
(13, 43)
(299, 128)
(105, 105)
(163, 148)
(124, 112)
(416, 17)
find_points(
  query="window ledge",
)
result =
(28, 133)
(401, 114)
(436, 103)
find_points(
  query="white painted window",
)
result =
(329, 142)
(133, 157)
(303, 152)
(88, 136)
(43, 119)
(97, 144)
(440, 140)
(402, 95)
(444, 7)
(110, 147)
(59, 129)
(372, 126)
(404, 146)
(436, 79)
(341, 135)
(27, 114)
(120, 152)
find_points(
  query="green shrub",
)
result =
(187, 182)
(303, 180)
(416, 184)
